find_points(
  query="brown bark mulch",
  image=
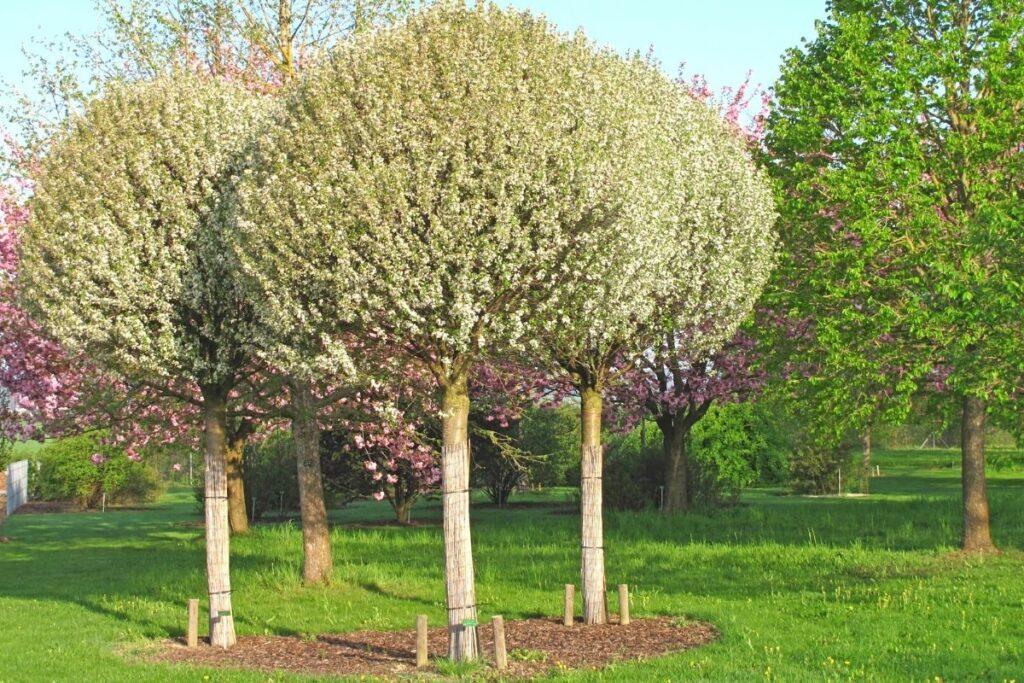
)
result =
(535, 647)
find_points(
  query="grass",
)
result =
(801, 589)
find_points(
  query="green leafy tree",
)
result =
(896, 140)
(82, 469)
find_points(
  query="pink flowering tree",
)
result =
(676, 389)
(389, 426)
(38, 380)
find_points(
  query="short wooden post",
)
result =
(421, 641)
(500, 659)
(623, 604)
(192, 635)
(570, 600)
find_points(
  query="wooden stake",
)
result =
(623, 604)
(498, 624)
(421, 641)
(570, 594)
(192, 635)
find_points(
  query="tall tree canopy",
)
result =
(434, 183)
(260, 44)
(123, 258)
(897, 142)
(683, 252)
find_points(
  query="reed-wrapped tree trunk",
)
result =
(238, 519)
(976, 535)
(317, 566)
(595, 597)
(218, 562)
(458, 549)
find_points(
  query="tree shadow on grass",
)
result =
(137, 567)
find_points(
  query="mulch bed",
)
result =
(535, 647)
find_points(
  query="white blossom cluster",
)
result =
(691, 246)
(472, 179)
(439, 178)
(469, 179)
(123, 256)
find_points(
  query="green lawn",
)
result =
(801, 589)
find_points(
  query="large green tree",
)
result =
(896, 140)
(123, 259)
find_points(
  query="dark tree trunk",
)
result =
(976, 535)
(237, 516)
(403, 512)
(865, 473)
(595, 594)
(673, 434)
(317, 566)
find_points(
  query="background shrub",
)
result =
(634, 468)
(735, 445)
(270, 475)
(65, 471)
(814, 468)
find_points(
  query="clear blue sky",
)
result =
(719, 38)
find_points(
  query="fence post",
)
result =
(192, 637)
(623, 604)
(570, 594)
(500, 659)
(421, 641)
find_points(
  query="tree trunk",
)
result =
(865, 469)
(316, 535)
(673, 436)
(458, 549)
(218, 561)
(976, 535)
(403, 512)
(238, 519)
(595, 595)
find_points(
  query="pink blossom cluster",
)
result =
(733, 103)
(502, 390)
(37, 379)
(669, 381)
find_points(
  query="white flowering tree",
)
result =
(689, 249)
(431, 183)
(260, 43)
(123, 259)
